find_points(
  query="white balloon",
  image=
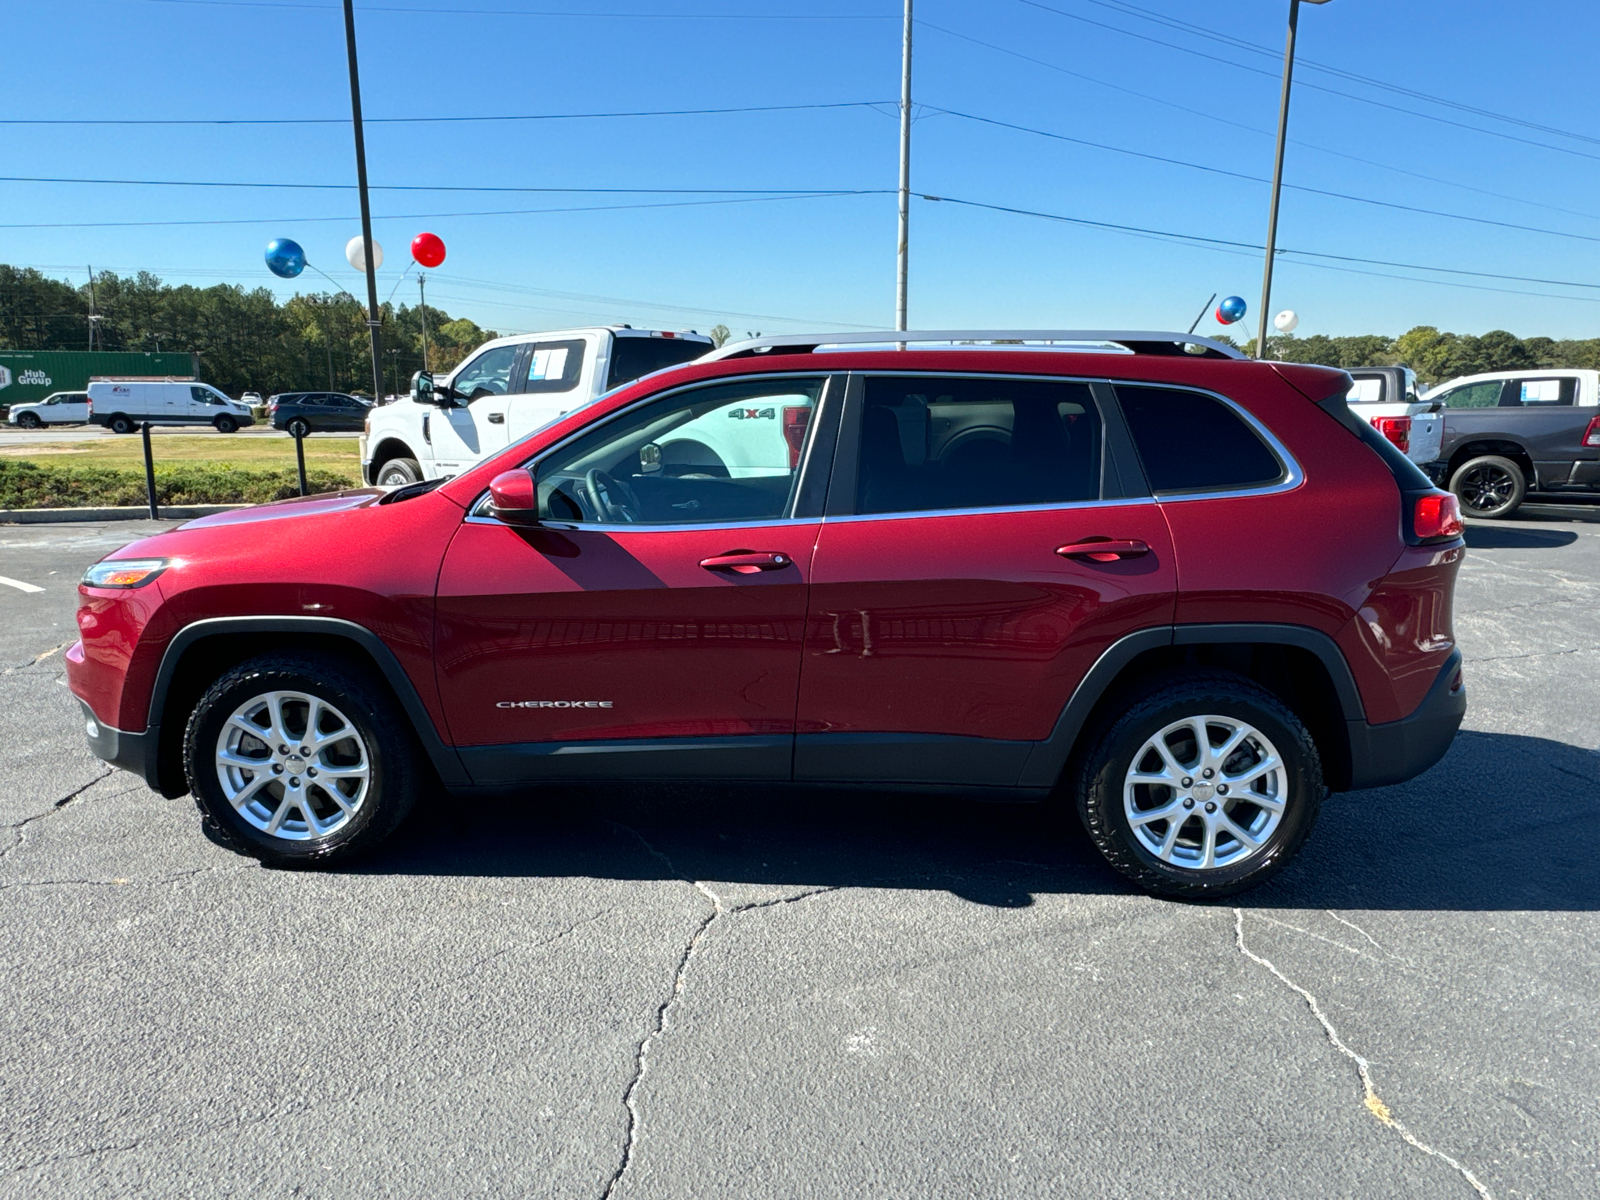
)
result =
(1286, 322)
(355, 251)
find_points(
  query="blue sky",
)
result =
(788, 263)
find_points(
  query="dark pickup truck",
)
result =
(1514, 434)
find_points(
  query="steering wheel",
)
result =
(614, 499)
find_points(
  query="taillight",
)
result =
(796, 420)
(1436, 517)
(1396, 429)
(1591, 435)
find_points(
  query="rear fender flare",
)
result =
(1049, 757)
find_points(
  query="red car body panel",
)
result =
(628, 618)
(346, 557)
(970, 623)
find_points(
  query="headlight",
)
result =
(124, 572)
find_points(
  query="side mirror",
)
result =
(514, 496)
(422, 387)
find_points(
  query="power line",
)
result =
(503, 212)
(1305, 84)
(1209, 116)
(1226, 245)
(423, 187)
(1178, 162)
(669, 112)
(1199, 31)
(525, 12)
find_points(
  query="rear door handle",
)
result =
(1104, 550)
(497, 418)
(746, 562)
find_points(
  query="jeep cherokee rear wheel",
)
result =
(1489, 486)
(298, 760)
(1205, 786)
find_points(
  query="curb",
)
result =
(51, 516)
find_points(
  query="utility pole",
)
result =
(422, 293)
(905, 175)
(93, 317)
(374, 322)
(1264, 318)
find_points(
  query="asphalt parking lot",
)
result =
(754, 993)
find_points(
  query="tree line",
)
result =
(246, 339)
(1433, 355)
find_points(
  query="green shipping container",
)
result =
(29, 375)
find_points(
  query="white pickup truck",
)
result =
(1387, 398)
(505, 390)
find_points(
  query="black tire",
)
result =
(122, 424)
(225, 424)
(1489, 486)
(396, 768)
(299, 427)
(29, 420)
(1100, 779)
(398, 472)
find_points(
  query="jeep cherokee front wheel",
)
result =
(1205, 786)
(298, 760)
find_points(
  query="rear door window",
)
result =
(553, 366)
(1539, 393)
(632, 357)
(1192, 442)
(956, 442)
(1473, 395)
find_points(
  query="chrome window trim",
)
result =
(1064, 506)
(475, 516)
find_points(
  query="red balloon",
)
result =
(428, 249)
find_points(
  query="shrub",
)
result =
(25, 485)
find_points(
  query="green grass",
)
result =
(25, 485)
(200, 449)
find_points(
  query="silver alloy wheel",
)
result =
(1205, 792)
(293, 766)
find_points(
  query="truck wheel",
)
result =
(122, 424)
(1489, 486)
(298, 760)
(1204, 786)
(225, 424)
(299, 427)
(399, 471)
(29, 420)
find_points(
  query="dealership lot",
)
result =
(762, 992)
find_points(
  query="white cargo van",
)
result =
(506, 389)
(122, 405)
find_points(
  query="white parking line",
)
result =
(19, 585)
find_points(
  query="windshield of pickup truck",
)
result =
(632, 357)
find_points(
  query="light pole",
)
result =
(1264, 318)
(374, 322)
(905, 175)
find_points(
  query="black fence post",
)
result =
(150, 474)
(300, 456)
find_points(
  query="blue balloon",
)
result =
(1231, 309)
(285, 258)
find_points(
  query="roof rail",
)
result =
(985, 339)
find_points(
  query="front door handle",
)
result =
(746, 562)
(497, 418)
(1104, 550)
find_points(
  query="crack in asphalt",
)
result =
(1533, 654)
(641, 1057)
(549, 941)
(17, 827)
(1370, 1099)
(159, 881)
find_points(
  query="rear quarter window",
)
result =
(1192, 442)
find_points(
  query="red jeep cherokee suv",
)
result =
(1185, 592)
